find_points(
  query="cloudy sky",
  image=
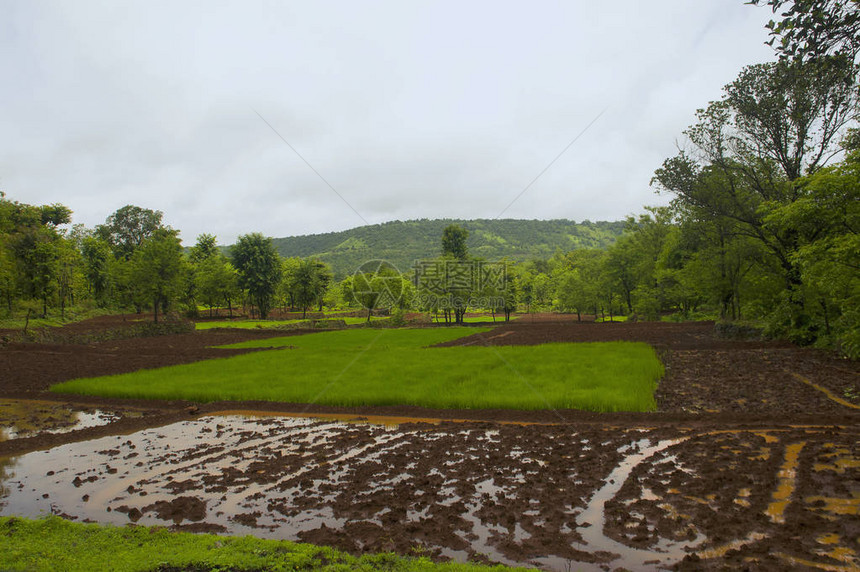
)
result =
(407, 109)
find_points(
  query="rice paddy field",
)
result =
(544, 443)
(399, 367)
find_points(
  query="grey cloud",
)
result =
(410, 110)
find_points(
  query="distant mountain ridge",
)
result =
(403, 242)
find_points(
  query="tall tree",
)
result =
(259, 269)
(216, 282)
(307, 284)
(458, 288)
(156, 268)
(454, 242)
(127, 228)
(203, 249)
(775, 123)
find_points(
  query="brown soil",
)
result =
(734, 408)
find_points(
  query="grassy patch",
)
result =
(73, 315)
(613, 319)
(55, 544)
(274, 324)
(395, 367)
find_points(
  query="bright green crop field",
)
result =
(396, 367)
(56, 544)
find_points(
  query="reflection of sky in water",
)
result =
(90, 479)
(103, 479)
(310, 470)
(20, 418)
(5, 474)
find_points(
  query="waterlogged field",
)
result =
(396, 367)
(768, 478)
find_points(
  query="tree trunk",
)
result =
(155, 309)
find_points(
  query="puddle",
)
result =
(517, 495)
(26, 418)
(390, 421)
(785, 488)
(593, 522)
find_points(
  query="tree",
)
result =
(814, 28)
(156, 267)
(34, 243)
(376, 284)
(576, 277)
(457, 289)
(286, 290)
(454, 242)
(96, 260)
(776, 123)
(216, 282)
(204, 249)
(621, 270)
(259, 269)
(127, 228)
(308, 284)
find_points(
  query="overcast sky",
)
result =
(408, 109)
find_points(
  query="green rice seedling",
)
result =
(398, 367)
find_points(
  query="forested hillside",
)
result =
(401, 243)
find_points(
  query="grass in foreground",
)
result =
(394, 367)
(56, 544)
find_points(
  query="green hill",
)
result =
(401, 243)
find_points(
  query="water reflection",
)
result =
(25, 418)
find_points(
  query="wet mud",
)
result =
(552, 496)
(751, 462)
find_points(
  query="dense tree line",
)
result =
(135, 262)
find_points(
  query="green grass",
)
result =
(55, 544)
(394, 367)
(17, 321)
(269, 324)
(614, 319)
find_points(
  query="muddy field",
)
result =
(752, 460)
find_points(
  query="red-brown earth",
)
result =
(751, 460)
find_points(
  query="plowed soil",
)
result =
(752, 460)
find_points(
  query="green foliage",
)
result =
(814, 28)
(454, 242)
(376, 285)
(55, 544)
(204, 249)
(127, 228)
(757, 188)
(395, 367)
(216, 281)
(156, 268)
(259, 269)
